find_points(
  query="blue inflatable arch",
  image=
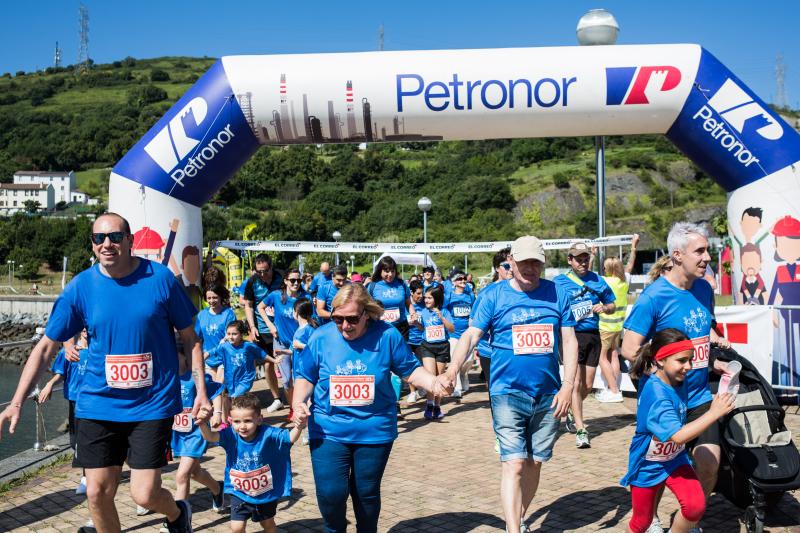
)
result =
(243, 102)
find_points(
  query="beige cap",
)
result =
(527, 247)
(579, 248)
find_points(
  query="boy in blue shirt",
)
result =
(258, 467)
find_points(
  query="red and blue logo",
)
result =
(632, 85)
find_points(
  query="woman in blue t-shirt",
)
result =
(657, 454)
(459, 303)
(392, 293)
(212, 321)
(346, 367)
(436, 324)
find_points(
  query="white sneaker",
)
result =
(655, 526)
(456, 394)
(274, 406)
(606, 396)
(464, 382)
(141, 511)
(412, 397)
(81, 489)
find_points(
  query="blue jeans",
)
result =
(524, 426)
(342, 470)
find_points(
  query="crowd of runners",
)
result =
(146, 376)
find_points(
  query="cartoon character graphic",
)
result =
(786, 291)
(149, 244)
(752, 232)
(752, 288)
(190, 264)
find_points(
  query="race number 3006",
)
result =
(701, 350)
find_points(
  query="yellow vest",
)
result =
(613, 322)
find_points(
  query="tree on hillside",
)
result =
(32, 206)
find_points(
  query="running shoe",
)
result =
(274, 406)
(184, 522)
(428, 412)
(606, 396)
(141, 511)
(81, 489)
(218, 501)
(456, 393)
(465, 382)
(88, 527)
(655, 526)
(582, 439)
(412, 397)
(437, 413)
(570, 423)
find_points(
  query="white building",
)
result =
(63, 182)
(14, 195)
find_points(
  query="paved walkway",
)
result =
(442, 477)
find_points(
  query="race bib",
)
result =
(532, 338)
(253, 483)
(391, 315)
(581, 310)
(434, 333)
(461, 311)
(183, 421)
(701, 351)
(129, 371)
(352, 391)
(663, 451)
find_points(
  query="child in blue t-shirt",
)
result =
(436, 324)
(258, 466)
(187, 442)
(658, 454)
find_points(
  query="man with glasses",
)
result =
(264, 281)
(589, 296)
(130, 391)
(328, 291)
(528, 317)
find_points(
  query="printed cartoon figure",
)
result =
(752, 288)
(752, 232)
(149, 244)
(190, 264)
(786, 289)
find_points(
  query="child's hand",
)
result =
(722, 404)
(300, 423)
(204, 414)
(215, 420)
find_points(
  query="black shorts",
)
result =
(439, 350)
(103, 443)
(257, 512)
(712, 433)
(72, 422)
(264, 341)
(588, 348)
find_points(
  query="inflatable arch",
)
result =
(682, 91)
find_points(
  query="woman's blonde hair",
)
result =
(356, 292)
(613, 267)
(659, 267)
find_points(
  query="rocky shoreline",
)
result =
(17, 327)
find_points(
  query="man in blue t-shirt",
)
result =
(264, 281)
(528, 318)
(328, 291)
(589, 296)
(320, 278)
(681, 299)
(130, 390)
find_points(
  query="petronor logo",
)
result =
(172, 144)
(737, 107)
(638, 85)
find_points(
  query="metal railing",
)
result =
(787, 362)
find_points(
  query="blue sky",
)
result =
(745, 38)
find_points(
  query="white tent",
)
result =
(407, 259)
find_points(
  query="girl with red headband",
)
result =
(657, 454)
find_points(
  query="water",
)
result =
(55, 412)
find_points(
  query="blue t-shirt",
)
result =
(326, 293)
(582, 298)
(433, 331)
(460, 308)
(449, 287)
(211, 328)
(132, 369)
(260, 470)
(660, 414)
(301, 335)
(256, 291)
(484, 346)
(354, 401)
(318, 281)
(415, 335)
(525, 331)
(663, 305)
(240, 365)
(72, 372)
(393, 296)
(284, 314)
(187, 440)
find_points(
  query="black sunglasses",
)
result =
(263, 271)
(292, 280)
(115, 237)
(352, 319)
(459, 279)
(507, 266)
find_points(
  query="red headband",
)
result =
(673, 348)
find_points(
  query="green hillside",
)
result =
(57, 120)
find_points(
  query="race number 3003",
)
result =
(129, 371)
(182, 422)
(701, 350)
(352, 391)
(532, 338)
(253, 483)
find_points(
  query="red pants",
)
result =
(684, 485)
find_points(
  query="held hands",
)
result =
(722, 404)
(204, 414)
(443, 385)
(301, 414)
(216, 419)
(202, 405)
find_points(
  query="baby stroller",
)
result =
(759, 460)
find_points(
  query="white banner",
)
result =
(749, 328)
(430, 248)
